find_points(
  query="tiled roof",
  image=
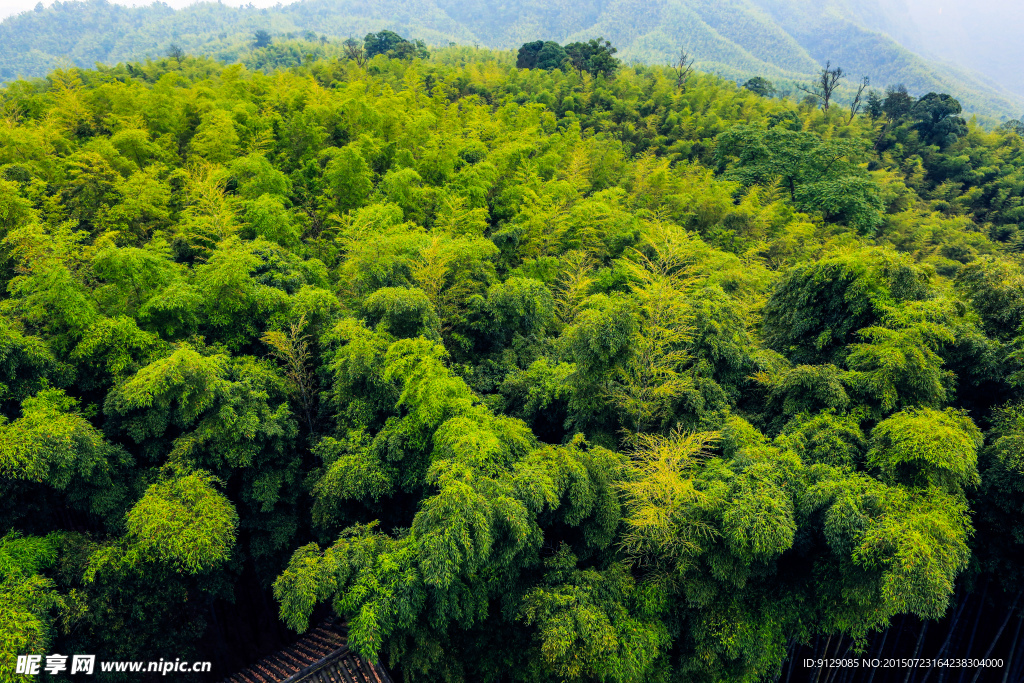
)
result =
(320, 656)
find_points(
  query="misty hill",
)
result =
(786, 41)
(983, 35)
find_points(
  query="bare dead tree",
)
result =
(857, 103)
(825, 86)
(353, 49)
(683, 68)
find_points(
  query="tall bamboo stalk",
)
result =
(1013, 650)
(959, 636)
(970, 642)
(945, 643)
(824, 657)
(881, 649)
(832, 674)
(1002, 627)
(917, 650)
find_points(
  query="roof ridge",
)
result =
(320, 655)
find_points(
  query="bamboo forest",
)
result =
(525, 366)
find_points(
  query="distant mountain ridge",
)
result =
(786, 41)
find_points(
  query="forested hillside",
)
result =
(786, 41)
(602, 373)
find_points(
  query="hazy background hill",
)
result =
(984, 35)
(783, 40)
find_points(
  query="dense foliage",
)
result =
(529, 374)
(786, 41)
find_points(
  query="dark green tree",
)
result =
(938, 120)
(381, 43)
(819, 175)
(528, 54)
(262, 38)
(760, 86)
(595, 57)
(875, 105)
